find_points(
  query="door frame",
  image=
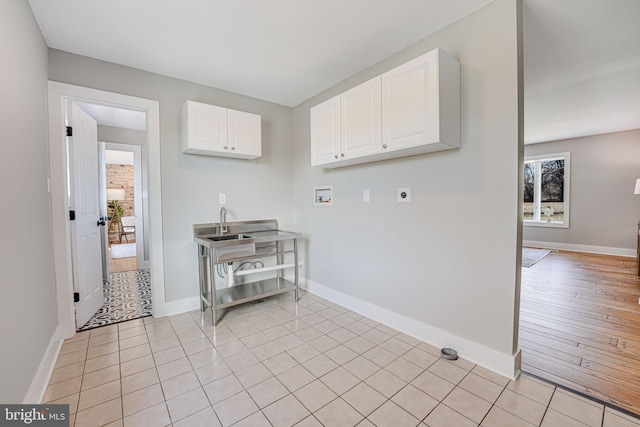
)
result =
(137, 194)
(58, 94)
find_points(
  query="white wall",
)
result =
(447, 261)
(27, 291)
(255, 189)
(604, 210)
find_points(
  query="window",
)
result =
(546, 191)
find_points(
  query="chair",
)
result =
(127, 227)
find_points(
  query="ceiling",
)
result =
(282, 51)
(581, 68)
(581, 57)
(114, 116)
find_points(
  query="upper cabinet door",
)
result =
(206, 128)
(325, 132)
(410, 107)
(360, 120)
(245, 134)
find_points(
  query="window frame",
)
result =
(537, 190)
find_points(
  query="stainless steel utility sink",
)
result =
(241, 239)
(229, 237)
(229, 246)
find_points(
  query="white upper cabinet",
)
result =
(411, 109)
(245, 134)
(204, 128)
(217, 131)
(360, 120)
(347, 126)
(325, 132)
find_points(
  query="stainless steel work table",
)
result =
(244, 241)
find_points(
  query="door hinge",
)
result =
(76, 297)
(69, 131)
(72, 215)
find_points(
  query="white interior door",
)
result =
(104, 213)
(85, 202)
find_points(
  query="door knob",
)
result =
(336, 156)
(384, 146)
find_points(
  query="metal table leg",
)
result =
(212, 282)
(295, 268)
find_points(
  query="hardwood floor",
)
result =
(580, 325)
(117, 265)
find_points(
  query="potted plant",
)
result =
(116, 211)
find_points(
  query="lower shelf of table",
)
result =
(239, 294)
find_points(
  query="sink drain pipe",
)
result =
(230, 276)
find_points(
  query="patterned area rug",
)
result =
(124, 250)
(127, 296)
(531, 255)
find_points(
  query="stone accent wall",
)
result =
(121, 176)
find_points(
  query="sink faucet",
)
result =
(223, 219)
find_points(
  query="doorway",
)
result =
(123, 187)
(59, 95)
(125, 292)
(126, 287)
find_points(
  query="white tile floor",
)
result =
(278, 363)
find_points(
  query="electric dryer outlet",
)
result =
(404, 195)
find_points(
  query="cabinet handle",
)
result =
(384, 146)
(342, 155)
(336, 156)
(225, 147)
(233, 148)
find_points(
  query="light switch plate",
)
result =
(222, 199)
(404, 195)
(366, 196)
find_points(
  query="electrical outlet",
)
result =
(222, 198)
(366, 196)
(404, 195)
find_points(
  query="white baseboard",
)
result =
(507, 365)
(604, 250)
(40, 381)
(179, 306)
